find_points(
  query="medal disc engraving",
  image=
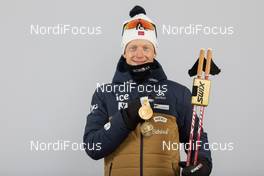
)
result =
(145, 111)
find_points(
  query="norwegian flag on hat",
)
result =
(141, 33)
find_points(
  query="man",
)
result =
(129, 144)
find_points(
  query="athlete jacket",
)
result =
(129, 153)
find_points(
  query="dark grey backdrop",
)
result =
(46, 81)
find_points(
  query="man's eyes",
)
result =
(146, 48)
(133, 48)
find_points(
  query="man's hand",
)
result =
(202, 168)
(130, 114)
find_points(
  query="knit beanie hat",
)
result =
(139, 27)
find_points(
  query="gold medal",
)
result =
(145, 111)
(146, 129)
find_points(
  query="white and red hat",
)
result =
(139, 27)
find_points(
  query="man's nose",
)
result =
(139, 52)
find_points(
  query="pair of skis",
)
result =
(200, 98)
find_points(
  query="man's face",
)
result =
(139, 52)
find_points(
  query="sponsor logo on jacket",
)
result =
(120, 99)
(93, 107)
(161, 106)
(160, 131)
(122, 105)
(160, 119)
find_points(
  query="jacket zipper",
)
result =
(141, 155)
(110, 169)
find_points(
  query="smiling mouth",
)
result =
(139, 62)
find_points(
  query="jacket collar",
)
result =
(123, 75)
